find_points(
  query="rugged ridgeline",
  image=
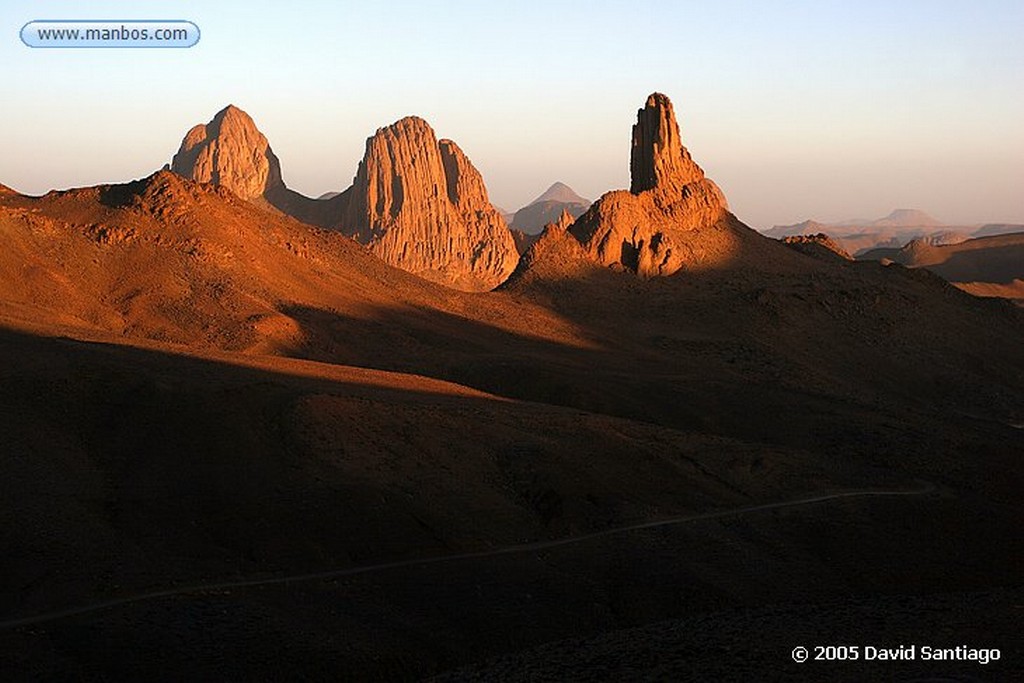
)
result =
(525, 240)
(416, 202)
(552, 255)
(819, 245)
(667, 219)
(421, 205)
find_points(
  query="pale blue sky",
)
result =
(797, 109)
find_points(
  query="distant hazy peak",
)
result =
(561, 193)
(908, 218)
(898, 218)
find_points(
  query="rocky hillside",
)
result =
(818, 245)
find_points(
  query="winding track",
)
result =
(925, 489)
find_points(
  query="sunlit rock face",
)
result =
(664, 222)
(416, 201)
(421, 205)
(231, 152)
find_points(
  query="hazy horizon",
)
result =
(825, 111)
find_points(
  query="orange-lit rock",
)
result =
(659, 226)
(231, 152)
(420, 205)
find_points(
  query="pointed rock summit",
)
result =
(231, 152)
(658, 160)
(563, 222)
(561, 193)
(670, 218)
(422, 206)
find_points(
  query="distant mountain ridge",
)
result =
(898, 218)
(859, 236)
(992, 265)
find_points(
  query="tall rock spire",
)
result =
(670, 218)
(657, 158)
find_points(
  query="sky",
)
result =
(816, 109)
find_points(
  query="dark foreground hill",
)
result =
(236, 447)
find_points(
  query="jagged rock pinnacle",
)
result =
(420, 205)
(670, 217)
(231, 152)
(658, 159)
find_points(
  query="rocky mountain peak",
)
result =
(658, 159)
(671, 218)
(422, 206)
(229, 151)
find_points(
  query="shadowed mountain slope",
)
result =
(205, 394)
(998, 259)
